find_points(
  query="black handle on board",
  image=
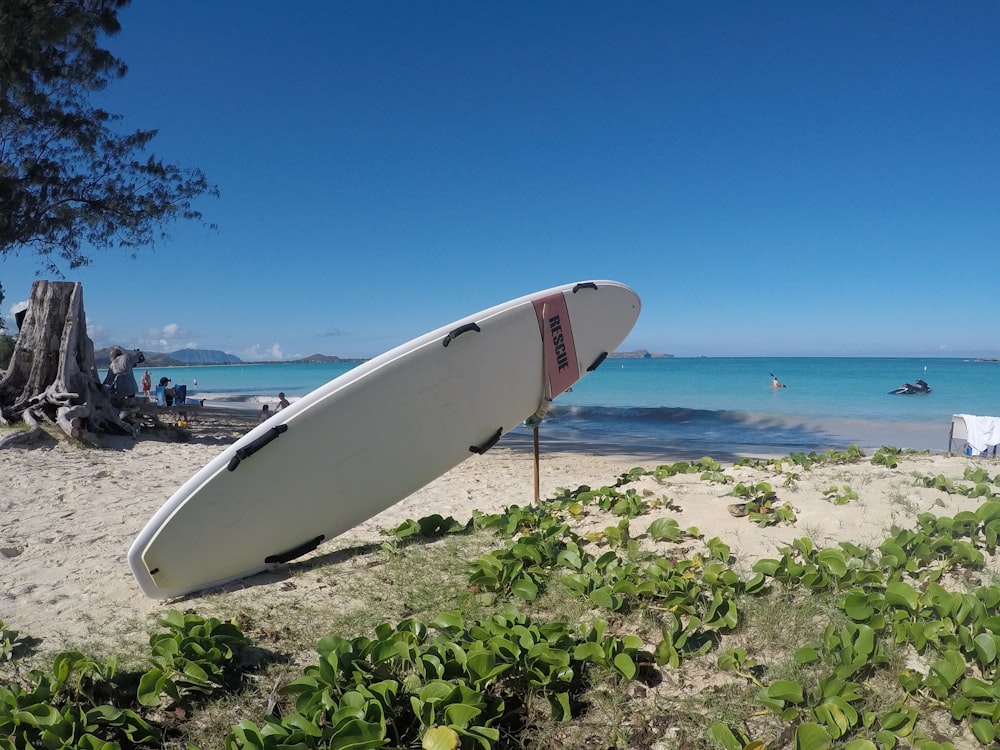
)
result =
(598, 362)
(459, 331)
(248, 450)
(283, 557)
(481, 449)
(584, 285)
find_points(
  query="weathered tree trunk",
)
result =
(53, 376)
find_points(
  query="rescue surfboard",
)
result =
(376, 434)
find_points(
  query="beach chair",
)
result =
(958, 436)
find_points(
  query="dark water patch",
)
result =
(682, 433)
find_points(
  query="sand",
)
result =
(69, 514)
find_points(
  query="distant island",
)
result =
(182, 357)
(639, 354)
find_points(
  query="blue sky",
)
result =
(773, 179)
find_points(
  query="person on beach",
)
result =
(147, 383)
(775, 383)
(265, 413)
(282, 402)
(120, 379)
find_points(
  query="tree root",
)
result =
(32, 435)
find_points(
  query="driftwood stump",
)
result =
(52, 376)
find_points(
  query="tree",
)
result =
(70, 184)
(67, 179)
(52, 375)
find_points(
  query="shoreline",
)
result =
(728, 434)
(70, 515)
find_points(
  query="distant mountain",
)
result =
(639, 354)
(102, 358)
(204, 357)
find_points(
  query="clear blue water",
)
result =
(701, 406)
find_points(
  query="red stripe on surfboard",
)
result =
(562, 368)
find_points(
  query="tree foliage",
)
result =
(70, 182)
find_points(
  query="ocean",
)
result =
(693, 407)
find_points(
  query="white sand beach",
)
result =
(69, 514)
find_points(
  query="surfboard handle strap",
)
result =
(585, 285)
(459, 331)
(481, 449)
(248, 450)
(598, 362)
(283, 557)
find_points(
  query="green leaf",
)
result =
(461, 714)
(246, 735)
(588, 651)
(808, 654)
(812, 737)
(984, 731)
(724, 736)
(624, 664)
(988, 511)
(435, 691)
(149, 688)
(950, 667)
(886, 739)
(900, 593)
(570, 559)
(440, 738)
(525, 588)
(40, 715)
(834, 562)
(448, 621)
(302, 724)
(838, 716)
(561, 710)
(973, 688)
(785, 690)
(899, 720)
(666, 653)
(857, 606)
(665, 529)
(755, 584)
(605, 597)
(767, 566)
(986, 648)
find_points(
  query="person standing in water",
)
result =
(775, 383)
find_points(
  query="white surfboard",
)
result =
(376, 434)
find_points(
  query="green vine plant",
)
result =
(8, 642)
(190, 658)
(449, 682)
(85, 703)
(840, 496)
(760, 505)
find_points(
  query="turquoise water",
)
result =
(704, 406)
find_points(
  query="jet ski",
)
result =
(909, 388)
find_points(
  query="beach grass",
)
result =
(829, 643)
